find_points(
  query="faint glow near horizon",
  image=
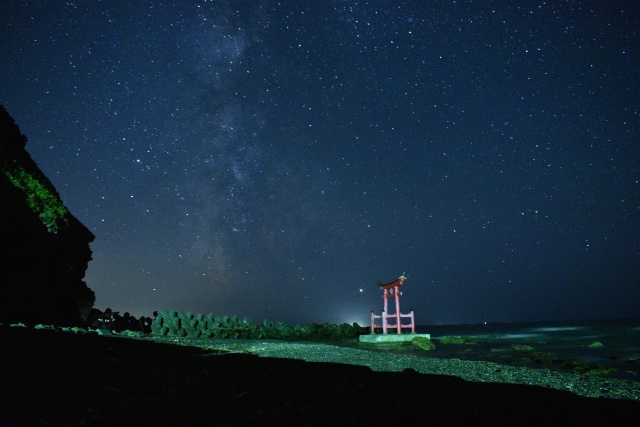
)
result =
(362, 319)
(559, 328)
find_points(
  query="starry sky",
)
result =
(277, 159)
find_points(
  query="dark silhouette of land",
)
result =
(44, 249)
(55, 378)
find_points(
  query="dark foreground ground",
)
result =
(52, 378)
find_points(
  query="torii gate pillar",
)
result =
(392, 290)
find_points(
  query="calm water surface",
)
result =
(554, 345)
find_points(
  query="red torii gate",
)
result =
(392, 290)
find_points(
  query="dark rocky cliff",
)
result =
(44, 249)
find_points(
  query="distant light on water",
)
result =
(559, 328)
(362, 319)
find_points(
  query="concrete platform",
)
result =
(382, 338)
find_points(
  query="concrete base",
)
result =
(382, 338)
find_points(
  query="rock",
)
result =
(41, 326)
(423, 343)
(18, 325)
(44, 249)
(452, 340)
(132, 334)
(522, 347)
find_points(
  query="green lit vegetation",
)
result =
(41, 200)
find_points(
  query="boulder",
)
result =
(452, 340)
(423, 343)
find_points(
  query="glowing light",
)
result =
(353, 316)
(558, 328)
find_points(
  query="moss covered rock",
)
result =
(423, 343)
(521, 347)
(452, 340)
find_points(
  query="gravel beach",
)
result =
(476, 371)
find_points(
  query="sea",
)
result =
(606, 348)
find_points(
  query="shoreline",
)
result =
(475, 371)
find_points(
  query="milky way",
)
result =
(273, 159)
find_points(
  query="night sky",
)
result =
(277, 159)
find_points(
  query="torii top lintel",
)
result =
(398, 282)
